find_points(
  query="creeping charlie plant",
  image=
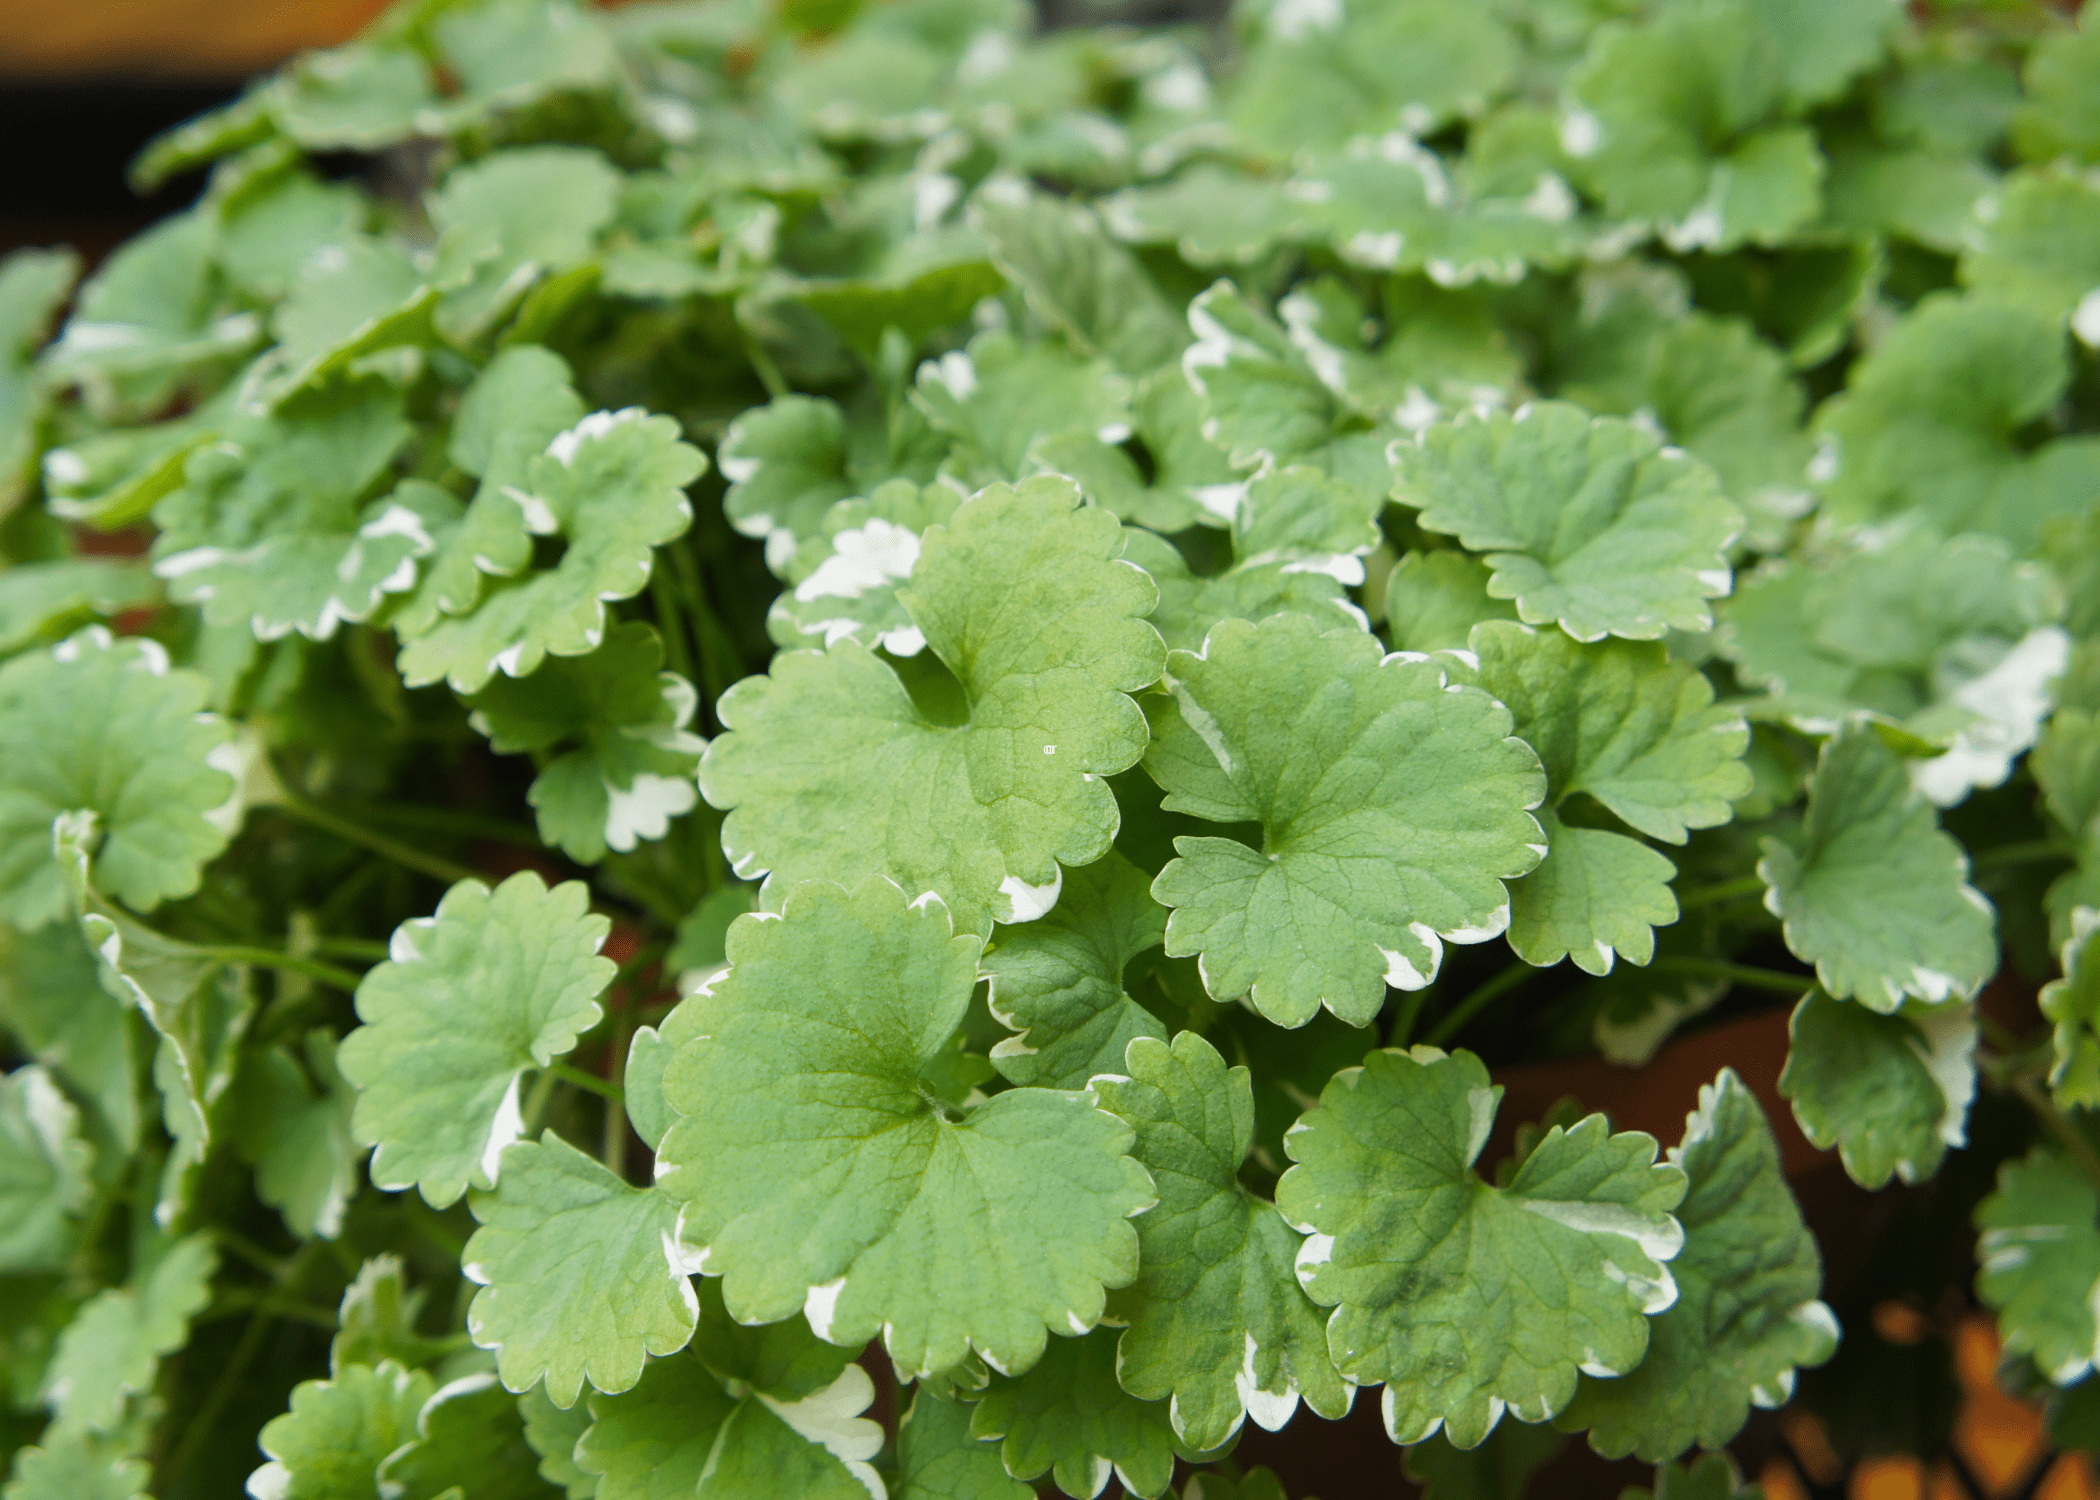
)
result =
(763, 749)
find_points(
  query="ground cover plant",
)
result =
(815, 748)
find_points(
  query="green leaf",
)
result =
(1393, 206)
(1434, 599)
(1022, 599)
(864, 1203)
(1931, 197)
(2058, 116)
(188, 994)
(1711, 385)
(493, 984)
(2072, 1005)
(1434, 351)
(1683, 115)
(1209, 215)
(510, 218)
(357, 97)
(1596, 895)
(33, 286)
(112, 1349)
(1890, 1092)
(996, 397)
(680, 1434)
(112, 478)
(1058, 981)
(77, 1466)
(272, 528)
(2039, 1255)
(1067, 1417)
(786, 466)
(1188, 606)
(330, 1443)
(554, 1434)
(581, 1276)
(297, 1134)
(1587, 522)
(1927, 422)
(1080, 283)
(1556, 1273)
(1191, 484)
(1746, 1313)
(1621, 722)
(44, 1166)
(152, 314)
(1262, 402)
(512, 53)
(1392, 810)
(937, 1459)
(54, 1006)
(627, 758)
(352, 299)
(103, 726)
(40, 600)
(377, 1320)
(614, 486)
(521, 402)
(1316, 78)
(2037, 249)
(846, 576)
(1873, 893)
(915, 297)
(1215, 1319)
(469, 1439)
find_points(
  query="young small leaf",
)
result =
(494, 984)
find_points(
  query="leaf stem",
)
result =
(1406, 1017)
(762, 364)
(371, 950)
(233, 1371)
(1743, 974)
(671, 626)
(1726, 890)
(2031, 851)
(583, 1080)
(446, 820)
(270, 958)
(404, 855)
(2081, 1150)
(1485, 994)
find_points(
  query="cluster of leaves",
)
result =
(763, 749)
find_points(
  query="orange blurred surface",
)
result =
(51, 41)
(2000, 1440)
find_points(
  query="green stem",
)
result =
(678, 653)
(1484, 995)
(1406, 1018)
(2030, 852)
(768, 373)
(371, 950)
(270, 1265)
(445, 820)
(1744, 974)
(404, 855)
(719, 664)
(1727, 890)
(270, 958)
(232, 1372)
(583, 1080)
(2074, 1141)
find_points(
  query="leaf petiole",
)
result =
(583, 1080)
(408, 857)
